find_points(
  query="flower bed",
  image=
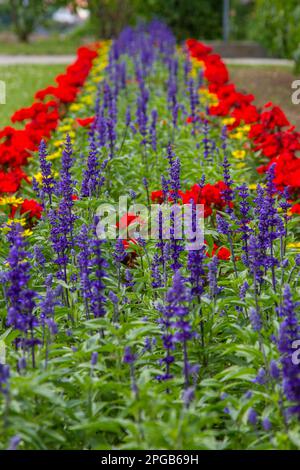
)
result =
(138, 343)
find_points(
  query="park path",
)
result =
(67, 59)
(35, 59)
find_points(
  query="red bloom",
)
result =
(295, 209)
(157, 196)
(10, 182)
(85, 122)
(29, 207)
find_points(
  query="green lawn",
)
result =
(22, 82)
(39, 46)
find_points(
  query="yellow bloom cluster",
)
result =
(207, 98)
(11, 200)
(84, 100)
(240, 132)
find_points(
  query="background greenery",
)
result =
(273, 23)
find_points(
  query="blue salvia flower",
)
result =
(39, 256)
(101, 127)
(128, 278)
(20, 298)
(184, 331)
(83, 260)
(94, 358)
(47, 306)
(48, 182)
(119, 253)
(4, 378)
(224, 138)
(193, 103)
(155, 272)
(174, 314)
(261, 377)
(130, 358)
(98, 265)
(152, 130)
(14, 443)
(255, 320)
(227, 193)
(92, 179)
(132, 194)
(289, 332)
(244, 220)
(243, 290)
(196, 268)
(213, 276)
(274, 370)
(252, 417)
(266, 424)
(60, 234)
(206, 142)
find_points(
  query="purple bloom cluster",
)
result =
(4, 378)
(289, 332)
(176, 326)
(48, 182)
(21, 299)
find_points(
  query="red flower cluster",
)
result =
(69, 83)
(270, 130)
(10, 181)
(17, 145)
(279, 145)
(210, 195)
(85, 122)
(29, 207)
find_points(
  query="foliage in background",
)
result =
(197, 18)
(275, 24)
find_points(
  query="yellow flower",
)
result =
(38, 177)
(27, 233)
(16, 201)
(21, 221)
(87, 100)
(74, 107)
(237, 135)
(54, 155)
(240, 165)
(207, 97)
(239, 154)
(65, 128)
(91, 88)
(58, 143)
(228, 121)
(245, 128)
(294, 245)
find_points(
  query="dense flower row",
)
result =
(40, 120)
(272, 136)
(137, 343)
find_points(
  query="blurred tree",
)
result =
(275, 23)
(196, 18)
(109, 17)
(26, 14)
(199, 18)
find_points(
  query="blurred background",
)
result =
(240, 30)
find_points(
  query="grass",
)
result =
(22, 82)
(39, 46)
